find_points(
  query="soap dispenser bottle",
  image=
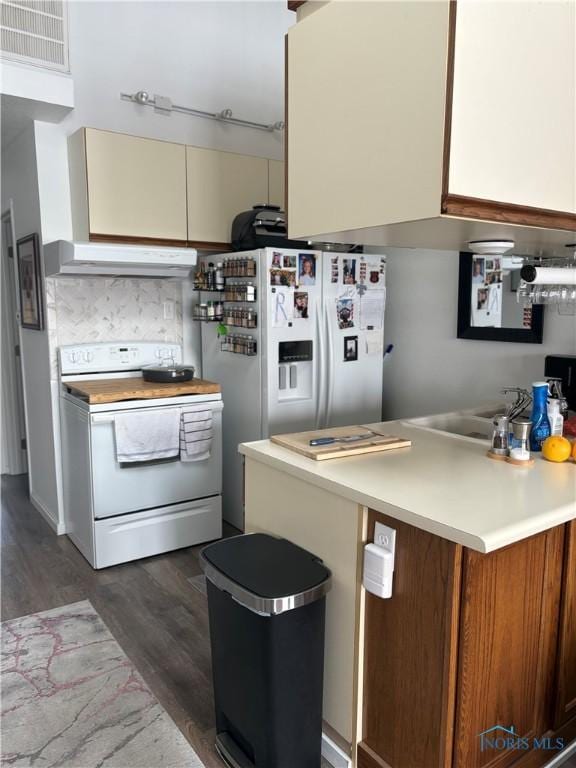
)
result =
(540, 423)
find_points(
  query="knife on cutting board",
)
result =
(344, 439)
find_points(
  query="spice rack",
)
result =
(210, 312)
(228, 279)
(214, 312)
(239, 344)
(240, 318)
(239, 266)
(239, 292)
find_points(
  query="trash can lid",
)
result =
(264, 573)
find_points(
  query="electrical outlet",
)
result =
(169, 310)
(378, 571)
(385, 537)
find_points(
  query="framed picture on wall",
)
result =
(30, 283)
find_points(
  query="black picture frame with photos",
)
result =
(466, 330)
(30, 283)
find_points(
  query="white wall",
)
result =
(19, 183)
(208, 55)
(430, 370)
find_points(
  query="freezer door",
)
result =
(353, 300)
(291, 291)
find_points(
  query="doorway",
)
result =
(14, 458)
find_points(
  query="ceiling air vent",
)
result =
(35, 32)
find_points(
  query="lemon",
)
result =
(556, 448)
(574, 451)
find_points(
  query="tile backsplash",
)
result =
(83, 310)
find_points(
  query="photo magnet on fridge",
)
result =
(306, 269)
(350, 348)
(282, 277)
(301, 305)
(345, 312)
(349, 271)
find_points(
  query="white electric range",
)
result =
(116, 512)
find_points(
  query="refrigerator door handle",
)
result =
(319, 369)
(330, 373)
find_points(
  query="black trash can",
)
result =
(266, 600)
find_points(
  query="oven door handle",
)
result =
(108, 418)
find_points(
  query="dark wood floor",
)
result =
(160, 621)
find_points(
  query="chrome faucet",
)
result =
(522, 402)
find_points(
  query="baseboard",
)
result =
(561, 758)
(333, 754)
(57, 527)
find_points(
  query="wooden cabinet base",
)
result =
(128, 240)
(154, 241)
(410, 652)
(507, 213)
(566, 673)
(536, 758)
(367, 758)
(468, 645)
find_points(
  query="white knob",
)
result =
(74, 357)
(89, 357)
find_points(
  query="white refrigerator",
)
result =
(319, 348)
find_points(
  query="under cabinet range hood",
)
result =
(63, 257)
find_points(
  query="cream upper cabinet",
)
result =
(126, 186)
(365, 116)
(513, 108)
(434, 123)
(276, 183)
(221, 185)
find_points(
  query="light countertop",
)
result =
(442, 485)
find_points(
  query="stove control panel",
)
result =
(105, 357)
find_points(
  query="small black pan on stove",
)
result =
(168, 374)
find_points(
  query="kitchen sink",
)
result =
(489, 412)
(460, 425)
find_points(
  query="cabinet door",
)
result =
(276, 183)
(507, 648)
(136, 187)
(221, 185)
(566, 680)
(513, 134)
(365, 117)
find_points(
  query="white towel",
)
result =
(190, 417)
(195, 435)
(147, 435)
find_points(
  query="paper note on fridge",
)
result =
(372, 306)
(282, 307)
(374, 344)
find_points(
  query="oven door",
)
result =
(118, 489)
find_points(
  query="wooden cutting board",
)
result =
(300, 443)
(116, 390)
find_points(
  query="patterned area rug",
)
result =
(71, 698)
